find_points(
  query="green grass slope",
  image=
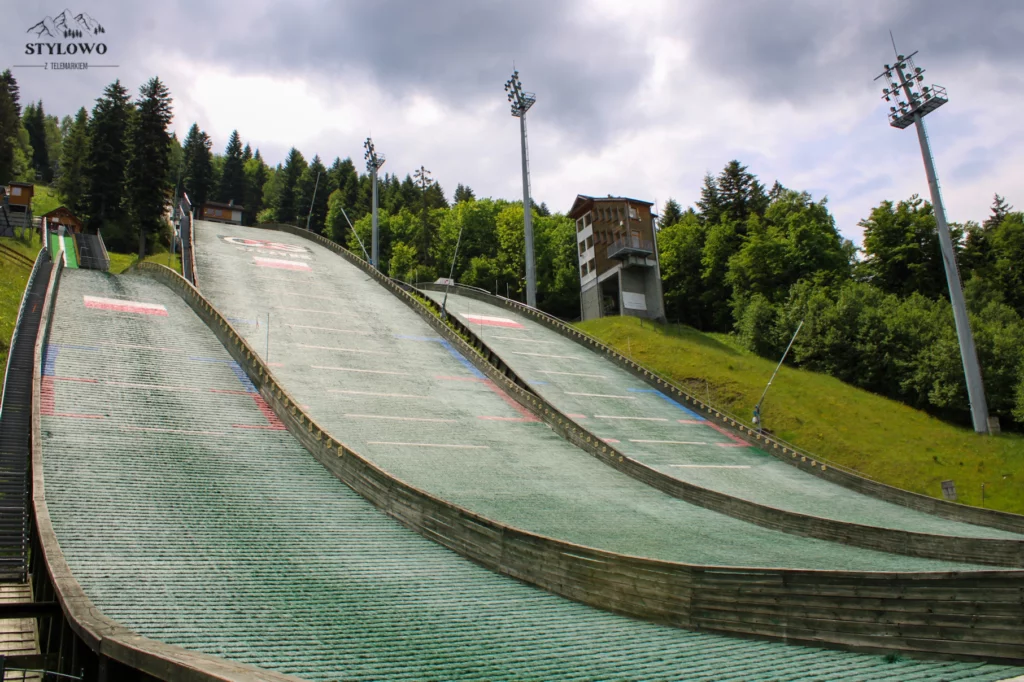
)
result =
(877, 437)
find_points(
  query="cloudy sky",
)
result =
(636, 98)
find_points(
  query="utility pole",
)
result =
(521, 102)
(903, 77)
(373, 163)
(313, 200)
(425, 181)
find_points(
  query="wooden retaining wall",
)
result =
(973, 615)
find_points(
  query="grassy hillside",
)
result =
(883, 439)
(13, 279)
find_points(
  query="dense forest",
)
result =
(742, 259)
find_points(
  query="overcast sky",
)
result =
(634, 98)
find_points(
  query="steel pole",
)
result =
(375, 246)
(968, 353)
(531, 275)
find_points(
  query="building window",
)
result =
(15, 191)
(591, 265)
(583, 270)
(579, 225)
(590, 241)
(633, 213)
(588, 219)
(583, 247)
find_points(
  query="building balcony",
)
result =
(626, 247)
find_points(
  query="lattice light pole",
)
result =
(521, 102)
(373, 163)
(910, 103)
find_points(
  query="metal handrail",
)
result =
(634, 243)
(17, 323)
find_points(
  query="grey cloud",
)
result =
(802, 51)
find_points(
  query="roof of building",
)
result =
(63, 210)
(583, 200)
(221, 204)
(21, 184)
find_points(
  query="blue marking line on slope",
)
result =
(50, 360)
(234, 367)
(669, 400)
(448, 347)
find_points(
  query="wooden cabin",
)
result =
(63, 216)
(221, 213)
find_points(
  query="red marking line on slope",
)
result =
(737, 442)
(527, 416)
(47, 399)
(492, 321)
(122, 306)
(273, 423)
(280, 264)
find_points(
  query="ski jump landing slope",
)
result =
(656, 430)
(380, 380)
(189, 515)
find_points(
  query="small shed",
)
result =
(20, 194)
(221, 213)
(63, 216)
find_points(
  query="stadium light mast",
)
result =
(911, 103)
(373, 163)
(521, 102)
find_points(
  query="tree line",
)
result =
(111, 166)
(743, 259)
(755, 263)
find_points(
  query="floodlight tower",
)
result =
(521, 102)
(912, 102)
(373, 163)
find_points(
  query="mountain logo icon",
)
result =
(67, 25)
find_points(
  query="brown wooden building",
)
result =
(20, 194)
(221, 213)
(620, 273)
(63, 216)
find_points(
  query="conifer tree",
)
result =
(197, 177)
(72, 183)
(34, 120)
(10, 124)
(671, 215)
(148, 159)
(232, 179)
(294, 164)
(710, 203)
(463, 193)
(108, 154)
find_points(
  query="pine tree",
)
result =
(671, 215)
(34, 120)
(148, 160)
(232, 179)
(108, 154)
(256, 174)
(292, 171)
(197, 177)
(463, 193)
(10, 123)
(71, 185)
(1000, 209)
(311, 196)
(740, 193)
(246, 154)
(710, 203)
(776, 192)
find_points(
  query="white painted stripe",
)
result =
(602, 395)
(521, 338)
(326, 329)
(489, 318)
(573, 374)
(347, 350)
(543, 355)
(403, 419)
(385, 395)
(670, 442)
(126, 384)
(430, 445)
(307, 310)
(711, 466)
(642, 419)
(185, 431)
(367, 371)
(123, 304)
(301, 295)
